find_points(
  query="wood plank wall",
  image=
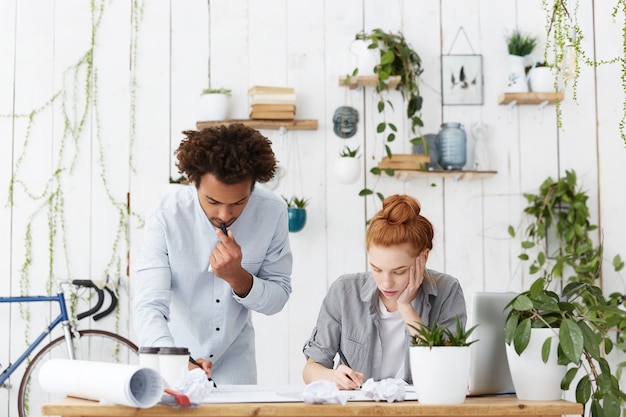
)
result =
(185, 46)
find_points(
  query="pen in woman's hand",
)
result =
(194, 362)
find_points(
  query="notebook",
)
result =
(489, 369)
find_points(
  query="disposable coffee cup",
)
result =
(173, 364)
(149, 357)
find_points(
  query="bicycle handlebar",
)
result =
(89, 284)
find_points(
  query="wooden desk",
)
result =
(476, 406)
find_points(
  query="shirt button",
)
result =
(217, 301)
(211, 355)
(217, 329)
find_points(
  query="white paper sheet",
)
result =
(116, 383)
(276, 394)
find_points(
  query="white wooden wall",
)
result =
(183, 46)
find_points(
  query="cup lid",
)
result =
(169, 350)
(149, 349)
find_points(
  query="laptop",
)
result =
(489, 368)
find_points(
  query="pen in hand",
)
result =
(224, 229)
(194, 362)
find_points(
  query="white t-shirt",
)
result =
(392, 337)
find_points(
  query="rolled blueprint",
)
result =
(131, 385)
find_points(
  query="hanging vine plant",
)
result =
(77, 99)
(397, 58)
(563, 42)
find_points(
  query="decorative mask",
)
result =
(345, 120)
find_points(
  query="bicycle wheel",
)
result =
(93, 345)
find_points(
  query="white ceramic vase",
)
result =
(533, 379)
(517, 80)
(347, 170)
(213, 107)
(440, 374)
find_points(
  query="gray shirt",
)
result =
(349, 320)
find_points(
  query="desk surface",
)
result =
(473, 406)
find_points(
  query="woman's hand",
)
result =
(347, 378)
(416, 277)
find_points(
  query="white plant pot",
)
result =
(213, 107)
(533, 379)
(541, 80)
(441, 374)
(347, 170)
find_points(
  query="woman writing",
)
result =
(366, 318)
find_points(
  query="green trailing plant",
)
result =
(348, 152)
(439, 335)
(180, 180)
(563, 43)
(589, 323)
(397, 58)
(77, 97)
(296, 202)
(520, 44)
(217, 91)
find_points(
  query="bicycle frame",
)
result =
(62, 319)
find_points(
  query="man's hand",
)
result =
(347, 378)
(226, 264)
(205, 365)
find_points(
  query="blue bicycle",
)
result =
(96, 345)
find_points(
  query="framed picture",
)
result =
(462, 79)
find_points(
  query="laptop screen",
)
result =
(489, 368)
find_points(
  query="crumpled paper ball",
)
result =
(389, 389)
(195, 385)
(323, 392)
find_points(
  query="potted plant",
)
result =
(397, 58)
(541, 78)
(440, 362)
(584, 319)
(348, 165)
(214, 104)
(296, 208)
(519, 46)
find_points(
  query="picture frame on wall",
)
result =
(462, 79)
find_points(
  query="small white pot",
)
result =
(440, 374)
(213, 107)
(533, 379)
(347, 170)
(541, 80)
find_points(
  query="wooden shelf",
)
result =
(530, 98)
(406, 174)
(302, 124)
(366, 81)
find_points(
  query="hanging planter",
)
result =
(348, 166)
(296, 208)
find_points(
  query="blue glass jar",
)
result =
(452, 146)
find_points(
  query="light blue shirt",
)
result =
(178, 302)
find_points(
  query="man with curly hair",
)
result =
(214, 252)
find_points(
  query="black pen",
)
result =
(193, 362)
(343, 359)
(224, 229)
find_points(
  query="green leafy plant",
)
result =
(296, 202)
(217, 91)
(585, 318)
(397, 58)
(520, 44)
(439, 335)
(347, 152)
(180, 180)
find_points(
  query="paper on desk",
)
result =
(278, 394)
(117, 383)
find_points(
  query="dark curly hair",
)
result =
(234, 154)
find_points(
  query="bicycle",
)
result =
(96, 345)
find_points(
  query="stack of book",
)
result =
(278, 103)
